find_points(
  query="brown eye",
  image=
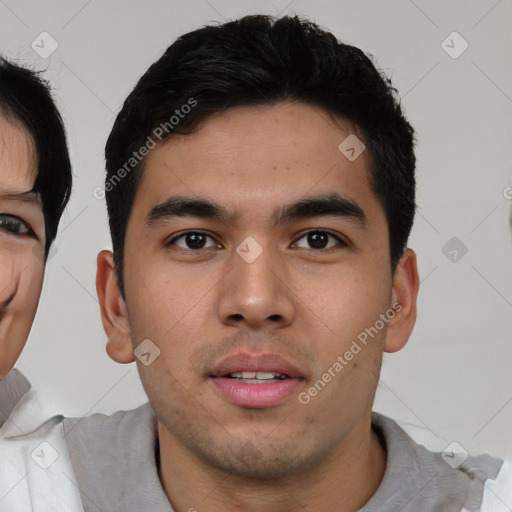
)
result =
(193, 240)
(319, 239)
(14, 225)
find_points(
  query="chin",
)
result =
(245, 459)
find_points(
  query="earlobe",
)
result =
(403, 302)
(114, 314)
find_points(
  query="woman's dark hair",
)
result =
(25, 98)
(261, 60)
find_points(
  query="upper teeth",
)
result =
(256, 375)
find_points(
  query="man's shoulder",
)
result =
(420, 479)
(116, 452)
(118, 421)
(114, 417)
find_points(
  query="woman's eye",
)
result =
(319, 239)
(192, 240)
(14, 225)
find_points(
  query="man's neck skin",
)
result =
(343, 483)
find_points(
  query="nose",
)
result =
(257, 293)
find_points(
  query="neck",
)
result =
(344, 482)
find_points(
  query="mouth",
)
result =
(257, 377)
(256, 381)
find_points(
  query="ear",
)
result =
(406, 284)
(114, 314)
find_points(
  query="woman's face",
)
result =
(22, 241)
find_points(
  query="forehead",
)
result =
(18, 166)
(250, 157)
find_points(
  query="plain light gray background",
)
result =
(453, 379)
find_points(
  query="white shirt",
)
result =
(36, 474)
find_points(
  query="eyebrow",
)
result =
(325, 205)
(29, 196)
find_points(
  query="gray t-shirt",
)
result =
(115, 467)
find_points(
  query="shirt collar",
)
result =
(12, 390)
(401, 451)
(114, 461)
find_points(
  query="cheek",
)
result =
(166, 298)
(347, 300)
(10, 269)
(346, 308)
(159, 306)
(171, 312)
(23, 285)
(21, 277)
(29, 284)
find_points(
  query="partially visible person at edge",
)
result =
(35, 183)
(261, 191)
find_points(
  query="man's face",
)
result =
(22, 241)
(204, 297)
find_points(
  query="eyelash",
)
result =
(342, 243)
(7, 220)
